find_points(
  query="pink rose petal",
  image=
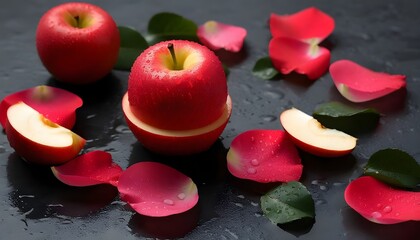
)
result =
(289, 55)
(89, 169)
(156, 190)
(310, 24)
(216, 35)
(264, 156)
(56, 104)
(359, 84)
(381, 203)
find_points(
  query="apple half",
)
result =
(309, 135)
(176, 142)
(39, 140)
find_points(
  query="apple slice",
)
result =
(37, 139)
(89, 169)
(264, 156)
(56, 104)
(176, 142)
(380, 203)
(156, 190)
(309, 135)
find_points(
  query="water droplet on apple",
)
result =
(252, 170)
(168, 202)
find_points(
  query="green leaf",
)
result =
(394, 167)
(132, 43)
(167, 26)
(264, 69)
(288, 202)
(345, 118)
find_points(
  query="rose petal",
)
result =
(216, 35)
(58, 105)
(381, 203)
(359, 84)
(310, 24)
(264, 156)
(290, 55)
(154, 189)
(89, 169)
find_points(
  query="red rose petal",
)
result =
(56, 104)
(216, 35)
(156, 190)
(264, 156)
(289, 55)
(89, 169)
(381, 203)
(359, 84)
(310, 24)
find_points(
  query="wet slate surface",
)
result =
(382, 35)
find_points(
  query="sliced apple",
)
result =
(39, 140)
(309, 135)
(176, 142)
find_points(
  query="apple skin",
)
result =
(312, 149)
(37, 153)
(190, 98)
(77, 55)
(175, 142)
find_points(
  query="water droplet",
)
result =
(181, 196)
(241, 196)
(168, 202)
(255, 162)
(387, 209)
(376, 215)
(323, 187)
(252, 139)
(251, 170)
(122, 129)
(320, 202)
(268, 118)
(91, 116)
(379, 205)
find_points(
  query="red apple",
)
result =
(37, 139)
(177, 101)
(56, 104)
(309, 135)
(77, 42)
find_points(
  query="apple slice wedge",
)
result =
(176, 142)
(309, 135)
(37, 139)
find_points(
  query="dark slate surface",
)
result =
(382, 35)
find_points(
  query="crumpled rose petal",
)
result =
(216, 35)
(289, 55)
(58, 105)
(156, 190)
(381, 203)
(310, 24)
(359, 84)
(264, 156)
(89, 169)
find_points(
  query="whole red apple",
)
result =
(177, 101)
(77, 42)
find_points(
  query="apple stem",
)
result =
(77, 18)
(172, 51)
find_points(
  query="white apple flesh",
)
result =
(311, 136)
(37, 139)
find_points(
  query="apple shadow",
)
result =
(38, 194)
(169, 227)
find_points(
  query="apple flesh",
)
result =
(176, 142)
(309, 135)
(185, 95)
(38, 140)
(77, 42)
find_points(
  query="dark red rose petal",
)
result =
(156, 190)
(264, 156)
(89, 169)
(381, 203)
